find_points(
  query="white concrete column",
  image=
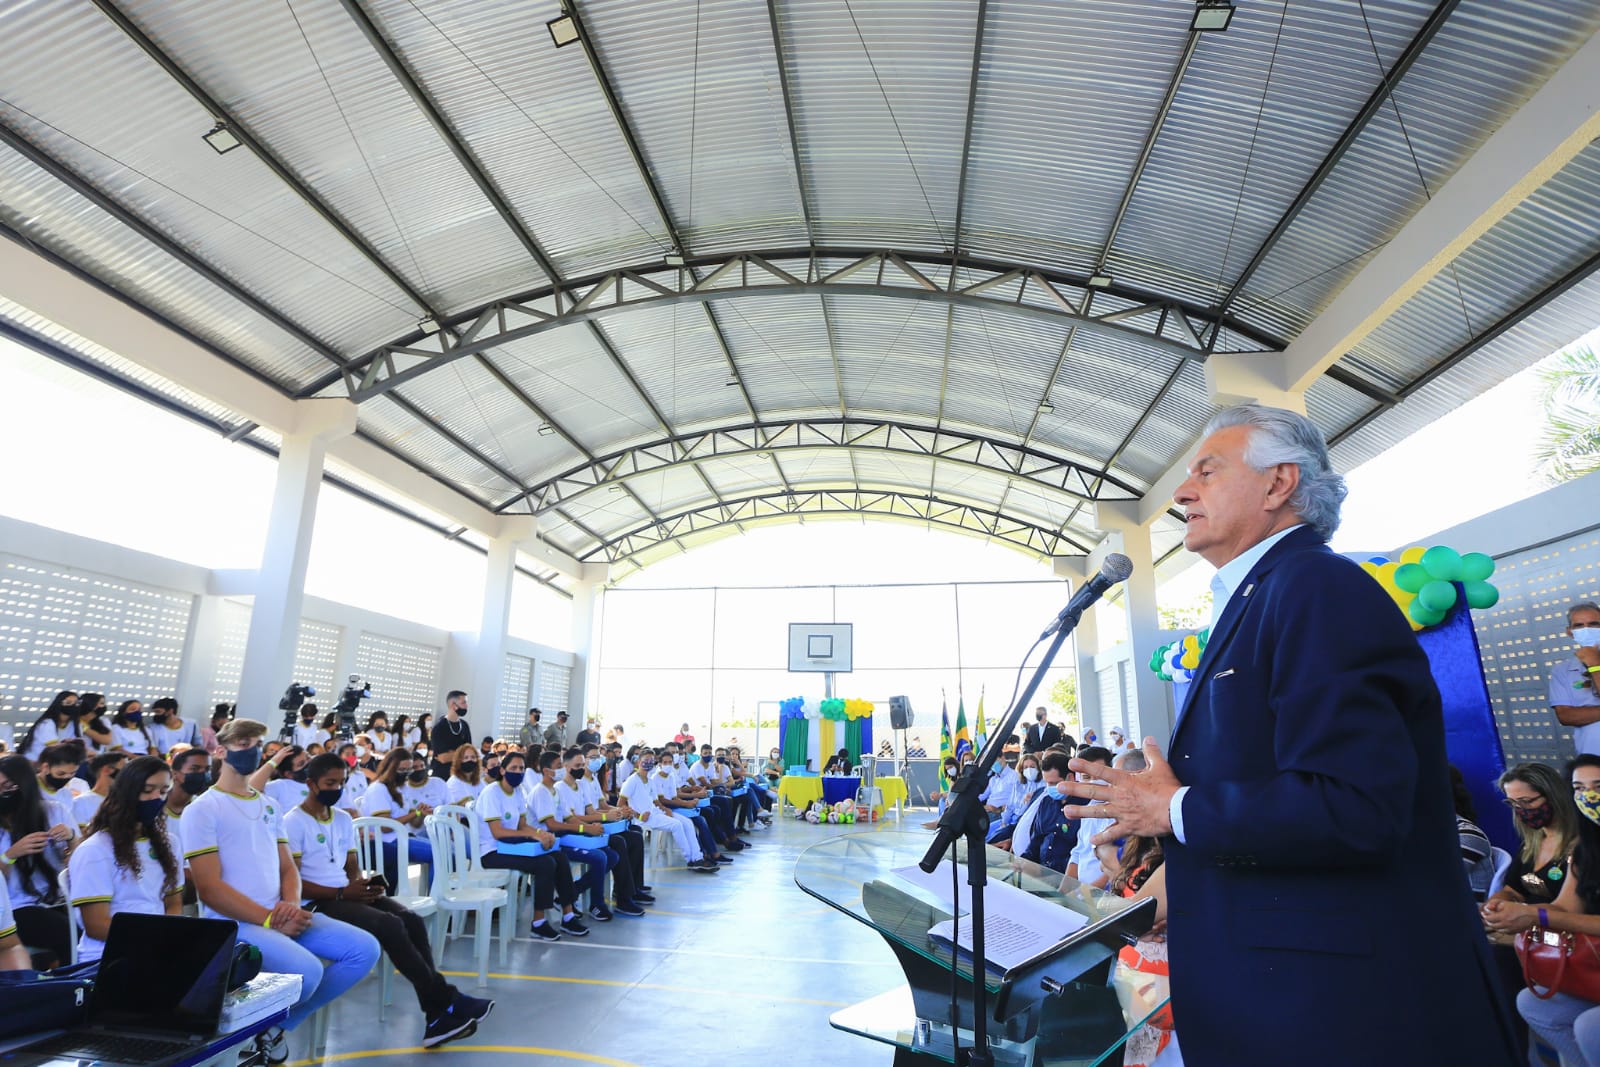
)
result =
(588, 598)
(1128, 536)
(281, 581)
(489, 658)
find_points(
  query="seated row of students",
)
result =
(82, 717)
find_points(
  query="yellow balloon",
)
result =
(1413, 555)
(1190, 658)
(1370, 568)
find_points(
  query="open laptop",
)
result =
(157, 998)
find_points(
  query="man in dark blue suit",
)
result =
(1317, 907)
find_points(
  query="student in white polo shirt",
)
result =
(544, 811)
(168, 728)
(322, 840)
(242, 870)
(355, 783)
(288, 783)
(671, 796)
(191, 777)
(306, 731)
(574, 806)
(629, 842)
(643, 798)
(511, 841)
(13, 957)
(104, 769)
(386, 798)
(129, 862)
(465, 782)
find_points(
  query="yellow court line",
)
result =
(584, 1057)
(648, 985)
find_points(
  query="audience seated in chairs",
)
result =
(129, 860)
(242, 870)
(1028, 786)
(1043, 833)
(322, 840)
(511, 841)
(547, 811)
(641, 794)
(1571, 1025)
(390, 797)
(57, 722)
(191, 777)
(36, 833)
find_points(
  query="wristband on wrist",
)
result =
(1594, 670)
(1544, 918)
(5, 858)
(267, 922)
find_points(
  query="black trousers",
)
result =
(404, 937)
(45, 929)
(630, 844)
(552, 877)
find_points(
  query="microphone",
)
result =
(1116, 568)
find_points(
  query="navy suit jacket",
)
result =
(1319, 912)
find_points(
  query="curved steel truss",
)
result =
(1053, 473)
(1010, 287)
(878, 504)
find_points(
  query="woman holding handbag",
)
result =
(1566, 1012)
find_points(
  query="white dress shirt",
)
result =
(1223, 586)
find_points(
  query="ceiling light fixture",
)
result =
(1211, 16)
(674, 259)
(428, 325)
(1100, 281)
(545, 429)
(1046, 408)
(222, 139)
(616, 489)
(563, 30)
(764, 455)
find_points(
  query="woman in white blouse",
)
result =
(128, 731)
(56, 724)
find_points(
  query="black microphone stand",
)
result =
(964, 817)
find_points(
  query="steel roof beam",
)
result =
(1052, 473)
(1020, 290)
(1369, 110)
(1018, 533)
(248, 138)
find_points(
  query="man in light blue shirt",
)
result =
(1573, 679)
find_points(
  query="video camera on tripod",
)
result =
(349, 701)
(293, 698)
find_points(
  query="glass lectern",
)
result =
(1059, 1003)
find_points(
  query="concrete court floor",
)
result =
(738, 964)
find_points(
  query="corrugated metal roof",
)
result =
(878, 91)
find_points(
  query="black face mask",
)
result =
(58, 784)
(8, 801)
(195, 782)
(298, 775)
(493, 773)
(419, 776)
(329, 797)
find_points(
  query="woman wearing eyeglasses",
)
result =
(1547, 822)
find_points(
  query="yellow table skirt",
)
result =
(894, 790)
(799, 791)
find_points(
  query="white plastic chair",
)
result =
(72, 917)
(1502, 866)
(369, 850)
(453, 892)
(477, 873)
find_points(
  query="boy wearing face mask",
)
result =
(322, 840)
(576, 803)
(239, 859)
(58, 772)
(651, 814)
(510, 840)
(104, 768)
(664, 782)
(191, 776)
(306, 731)
(168, 728)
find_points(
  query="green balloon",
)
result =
(1476, 567)
(1155, 660)
(1482, 595)
(1437, 597)
(1443, 563)
(1422, 616)
(1411, 577)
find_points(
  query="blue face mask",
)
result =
(596, 763)
(135, 717)
(514, 778)
(150, 810)
(244, 760)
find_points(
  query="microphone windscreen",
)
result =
(1116, 568)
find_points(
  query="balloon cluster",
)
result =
(839, 710)
(1177, 662)
(1423, 581)
(793, 708)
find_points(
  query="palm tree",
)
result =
(1569, 447)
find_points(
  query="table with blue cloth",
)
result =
(837, 787)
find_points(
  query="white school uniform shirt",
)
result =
(244, 832)
(355, 787)
(95, 877)
(641, 798)
(287, 792)
(624, 768)
(45, 734)
(84, 807)
(381, 743)
(305, 736)
(377, 803)
(1083, 854)
(496, 805)
(130, 739)
(8, 925)
(433, 793)
(593, 795)
(461, 791)
(321, 846)
(542, 805)
(665, 785)
(163, 737)
(413, 735)
(570, 800)
(26, 895)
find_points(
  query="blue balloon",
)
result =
(1379, 560)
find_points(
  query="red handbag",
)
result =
(1560, 963)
